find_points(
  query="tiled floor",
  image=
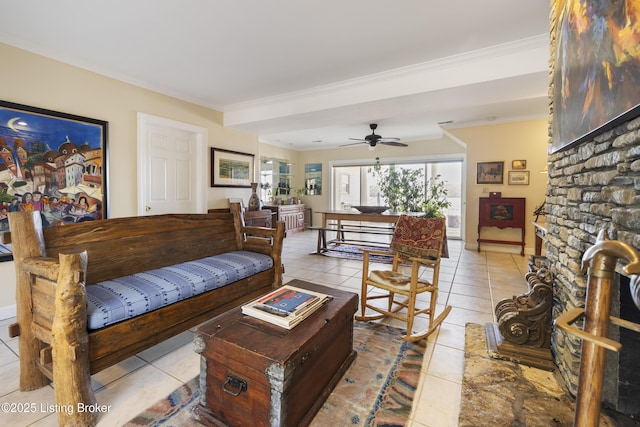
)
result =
(471, 282)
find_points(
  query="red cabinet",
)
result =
(502, 212)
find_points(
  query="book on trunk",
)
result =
(286, 306)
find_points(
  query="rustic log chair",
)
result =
(420, 242)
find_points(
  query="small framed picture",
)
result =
(518, 164)
(231, 168)
(490, 173)
(518, 177)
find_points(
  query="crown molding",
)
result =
(383, 84)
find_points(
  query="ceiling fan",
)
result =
(375, 139)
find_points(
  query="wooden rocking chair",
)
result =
(420, 242)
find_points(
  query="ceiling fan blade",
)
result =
(393, 143)
(374, 139)
(355, 143)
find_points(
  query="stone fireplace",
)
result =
(592, 186)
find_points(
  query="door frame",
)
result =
(144, 121)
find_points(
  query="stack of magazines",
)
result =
(286, 306)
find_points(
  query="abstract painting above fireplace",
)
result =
(597, 65)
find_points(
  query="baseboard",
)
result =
(7, 312)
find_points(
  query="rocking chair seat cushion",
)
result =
(394, 279)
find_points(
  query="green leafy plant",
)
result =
(402, 190)
(436, 199)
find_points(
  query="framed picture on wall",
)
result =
(490, 173)
(313, 179)
(52, 162)
(592, 92)
(518, 164)
(231, 168)
(518, 178)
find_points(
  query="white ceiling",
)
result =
(298, 71)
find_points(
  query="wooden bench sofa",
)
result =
(56, 265)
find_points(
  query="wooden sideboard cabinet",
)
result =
(291, 215)
(261, 218)
(502, 212)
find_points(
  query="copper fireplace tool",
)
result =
(601, 261)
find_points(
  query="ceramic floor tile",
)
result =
(319, 266)
(470, 290)
(461, 317)
(167, 346)
(6, 354)
(345, 270)
(39, 404)
(447, 363)
(13, 345)
(352, 284)
(324, 278)
(438, 404)
(447, 270)
(129, 395)
(10, 374)
(471, 303)
(472, 280)
(112, 373)
(48, 421)
(451, 335)
(182, 363)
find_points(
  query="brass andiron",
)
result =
(600, 259)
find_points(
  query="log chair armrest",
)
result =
(264, 232)
(42, 266)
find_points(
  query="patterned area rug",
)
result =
(377, 390)
(355, 253)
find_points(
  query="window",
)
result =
(355, 185)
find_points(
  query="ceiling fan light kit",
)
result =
(375, 139)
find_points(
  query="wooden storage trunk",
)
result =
(255, 373)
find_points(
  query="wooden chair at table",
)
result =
(419, 242)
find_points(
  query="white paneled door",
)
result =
(171, 166)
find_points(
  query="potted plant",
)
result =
(400, 192)
(436, 200)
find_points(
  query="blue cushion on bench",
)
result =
(114, 300)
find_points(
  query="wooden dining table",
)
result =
(333, 221)
(387, 217)
(339, 216)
